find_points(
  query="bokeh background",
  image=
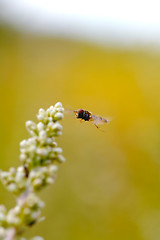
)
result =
(109, 63)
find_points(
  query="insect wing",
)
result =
(99, 120)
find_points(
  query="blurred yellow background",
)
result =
(109, 187)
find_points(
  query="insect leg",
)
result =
(98, 127)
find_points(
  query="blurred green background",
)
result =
(109, 187)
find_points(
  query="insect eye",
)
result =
(80, 111)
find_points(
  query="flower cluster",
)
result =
(41, 148)
(41, 176)
(39, 156)
(25, 213)
(14, 179)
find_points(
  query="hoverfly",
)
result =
(85, 115)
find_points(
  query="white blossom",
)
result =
(38, 155)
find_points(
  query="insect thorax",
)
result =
(83, 114)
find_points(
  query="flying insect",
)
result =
(87, 116)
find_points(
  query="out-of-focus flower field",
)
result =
(109, 187)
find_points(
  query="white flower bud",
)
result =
(53, 169)
(43, 169)
(61, 158)
(50, 119)
(27, 211)
(4, 175)
(42, 112)
(57, 126)
(57, 150)
(51, 108)
(32, 149)
(32, 175)
(53, 112)
(11, 218)
(12, 170)
(54, 144)
(37, 182)
(59, 133)
(19, 177)
(58, 105)
(32, 200)
(23, 150)
(40, 126)
(16, 221)
(2, 217)
(42, 134)
(37, 238)
(61, 110)
(20, 169)
(51, 125)
(31, 141)
(30, 125)
(3, 209)
(48, 141)
(41, 204)
(17, 210)
(12, 187)
(22, 157)
(47, 112)
(23, 143)
(40, 117)
(35, 215)
(58, 116)
(49, 180)
(42, 151)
